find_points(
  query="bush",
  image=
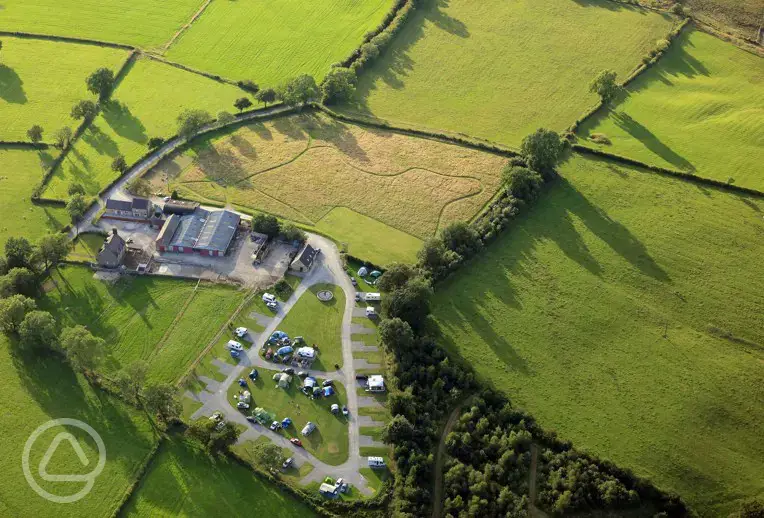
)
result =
(283, 289)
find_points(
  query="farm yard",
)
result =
(714, 92)
(146, 104)
(501, 70)
(625, 314)
(269, 41)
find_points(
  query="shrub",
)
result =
(522, 183)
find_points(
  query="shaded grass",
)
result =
(595, 313)
(500, 70)
(291, 475)
(86, 247)
(699, 110)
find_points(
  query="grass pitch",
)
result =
(35, 390)
(146, 104)
(183, 480)
(701, 109)
(269, 41)
(144, 23)
(41, 80)
(499, 70)
(624, 312)
(20, 171)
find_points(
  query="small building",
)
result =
(137, 208)
(168, 230)
(375, 383)
(179, 207)
(112, 252)
(260, 242)
(204, 232)
(305, 259)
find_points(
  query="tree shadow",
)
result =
(223, 167)
(291, 127)
(118, 116)
(446, 22)
(625, 122)
(11, 86)
(243, 146)
(261, 130)
(610, 5)
(100, 141)
(339, 135)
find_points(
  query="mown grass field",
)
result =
(699, 110)
(624, 312)
(20, 171)
(35, 390)
(500, 70)
(145, 23)
(329, 441)
(269, 41)
(377, 191)
(163, 321)
(183, 480)
(146, 104)
(85, 247)
(41, 80)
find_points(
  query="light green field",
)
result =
(145, 23)
(20, 171)
(499, 70)
(602, 313)
(319, 323)
(701, 109)
(35, 390)
(269, 41)
(146, 104)
(329, 441)
(162, 321)
(86, 247)
(41, 80)
(183, 480)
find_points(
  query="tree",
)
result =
(249, 86)
(53, 249)
(76, 207)
(205, 431)
(268, 455)
(266, 96)
(75, 188)
(542, 149)
(461, 238)
(101, 83)
(435, 257)
(225, 117)
(155, 142)
(130, 380)
(242, 103)
(291, 232)
(139, 187)
(396, 276)
(162, 399)
(18, 253)
(298, 91)
(753, 509)
(398, 430)
(605, 86)
(84, 110)
(522, 183)
(35, 133)
(38, 331)
(13, 310)
(338, 85)
(82, 349)
(18, 280)
(119, 165)
(191, 121)
(396, 335)
(266, 224)
(410, 303)
(63, 137)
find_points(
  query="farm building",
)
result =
(204, 232)
(179, 207)
(112, 252)
(260, 246)
(305, 259)
(137, 208)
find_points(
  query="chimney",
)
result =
(114, 231)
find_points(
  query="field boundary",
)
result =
(158, 346)
(24, 144)
(185, 27)
(139, 475)
(66, 39)
(186, 68)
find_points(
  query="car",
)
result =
(242, 382)
(251, 419)
(303, 374)
(287, 463)
(342, 485)
(353, 281)
(234, 345)
(166, 198)
(235, 354)
(308, 428)
(288, 370)
(296, 441)
(241, 405)
(335, 408)
(253, 374)
(241, 332)
(216, 416)
(345, 411)
(275, 425)
(358, 297)
(361, 377)
(327, 383)
(286, 422)
(272, 305)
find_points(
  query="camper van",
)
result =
(376, 462)
(373, 297)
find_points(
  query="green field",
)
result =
(86, 247)
(183, 480)
(163, 321)
(35, 390)
(269, 41)
(41, 80)
(20, 171)
(499, 70)
(701, 109)
(145, 23)
(624, 312)
(319, 323)
(329, 441)
(146, 104)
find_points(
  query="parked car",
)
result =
(345, 411)
(275, 425)
(242, 382)
(361, 377)
(296, 441)
(272, 305)
(234, 345)
(335, 408)
(353, 281)
(235, 354)
(308, 428)
(302, 374)
(286, 422)
(253, 374)
(288, 370)
(251, 419)
(327, 383)
(216, 416)
(287, 463)
(241, 405)
(241, 332)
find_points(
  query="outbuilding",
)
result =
(305, 259)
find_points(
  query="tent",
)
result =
(262, 416)
(363, 271)
(316, 391)
(245, 397)
(284, 380)
(278, 335)
(376, 273)
(283, 351)
(328, 391)
(309, 382)
(306, 352)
